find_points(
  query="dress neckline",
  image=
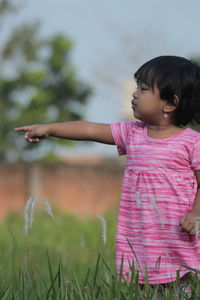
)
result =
(162, 140)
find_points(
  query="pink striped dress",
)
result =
(159, 187)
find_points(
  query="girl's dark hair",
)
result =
(174, 75)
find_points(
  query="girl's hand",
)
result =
(187, 222)
(34, 132)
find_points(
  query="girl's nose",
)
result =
(134, 94)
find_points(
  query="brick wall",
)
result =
(82, 189)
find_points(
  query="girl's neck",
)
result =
(157, 128)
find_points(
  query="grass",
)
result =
(65, 258)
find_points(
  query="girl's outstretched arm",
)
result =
(76, 130)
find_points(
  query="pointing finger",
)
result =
(24, 128)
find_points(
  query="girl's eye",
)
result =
(143, 88)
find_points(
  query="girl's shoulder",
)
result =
(131, 126)
(135, 124)
(191, 139)
(140, 124)
(193, 134)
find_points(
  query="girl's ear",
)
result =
(176, 100)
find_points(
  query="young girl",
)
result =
(160, 197)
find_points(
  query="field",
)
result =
(66, 258)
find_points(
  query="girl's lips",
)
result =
(133, 104)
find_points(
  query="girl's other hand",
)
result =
(34, 132)
(187, 222)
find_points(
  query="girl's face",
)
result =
(147, 105)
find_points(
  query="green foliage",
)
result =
(38, 84)
(78, 241)
(6, 7)
(52, 262)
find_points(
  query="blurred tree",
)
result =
(38, 84)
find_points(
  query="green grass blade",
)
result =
(85, 282)
(52, 287)
(79, 288)
(96, 270)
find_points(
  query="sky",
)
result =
(112, 38)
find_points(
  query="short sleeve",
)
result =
(120, 132)
(195, 162)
